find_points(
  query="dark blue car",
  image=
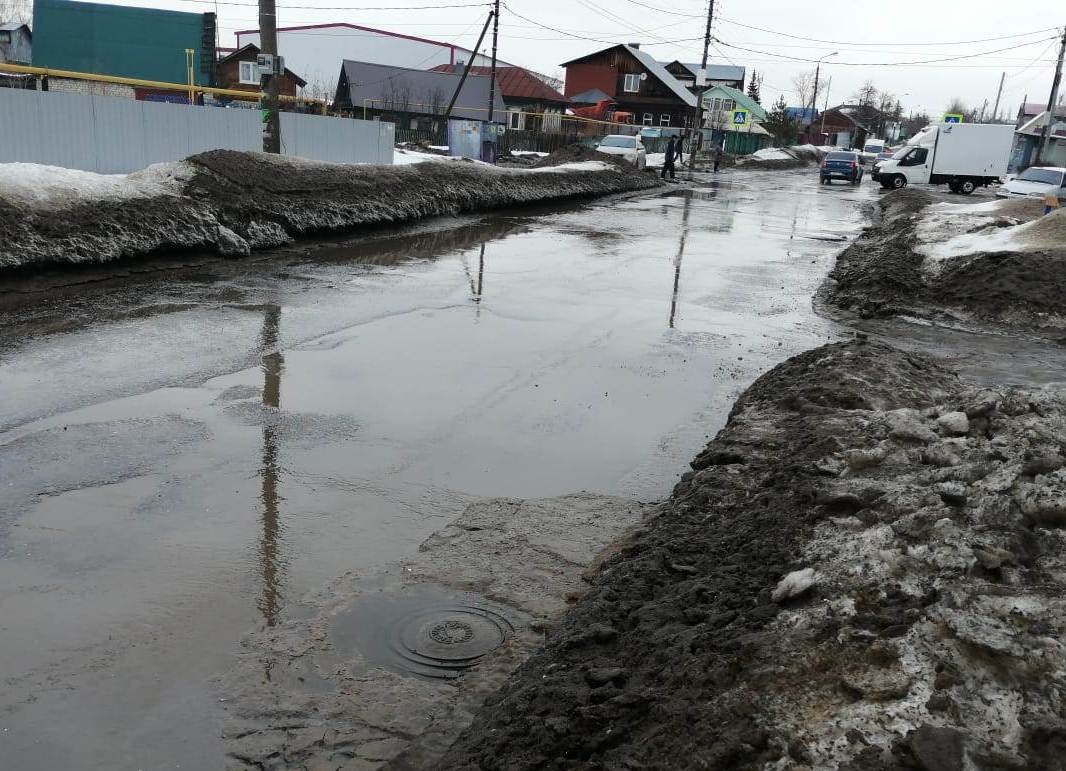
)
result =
(841, 165)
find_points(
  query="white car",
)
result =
(629, 147)
(1036, 182)
(872, 149)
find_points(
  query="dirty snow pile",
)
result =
(865, 570)
(950, 230)
(773, 154)
(52, 186)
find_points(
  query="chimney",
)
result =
(633, 45)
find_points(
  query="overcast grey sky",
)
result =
(924, 31)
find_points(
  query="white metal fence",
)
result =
(112, 135)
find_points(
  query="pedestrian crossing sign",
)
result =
(953, 117)
(740, 117)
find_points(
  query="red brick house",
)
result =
(636, 81)
(523, 93)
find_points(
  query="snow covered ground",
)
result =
(773, 154)
(948, 230)
(38, 185)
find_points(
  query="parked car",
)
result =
(629, 147)
(872, 150)
(1036, 182)
(841, 165)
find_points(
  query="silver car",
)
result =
(629, 147)
(1036, 182)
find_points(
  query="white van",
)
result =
(963, 156)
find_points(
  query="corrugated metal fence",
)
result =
(113, 136)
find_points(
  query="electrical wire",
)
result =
(836, 63)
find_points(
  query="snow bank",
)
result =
(50, 186)
(946, 230)
(232, 203)
(772, 154)
(521, 153)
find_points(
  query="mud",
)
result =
(882, 274)
(861, 572)
(373, 675)
(234, 203)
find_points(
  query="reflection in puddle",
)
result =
(272, 564)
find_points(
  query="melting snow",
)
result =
(40, 185)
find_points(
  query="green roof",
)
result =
(145, 43)
(743, 101)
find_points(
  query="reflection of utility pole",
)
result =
(677, 260)
(270, 561)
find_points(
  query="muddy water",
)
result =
(190, 446)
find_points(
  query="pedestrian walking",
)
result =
(719, 151)
(668, 162)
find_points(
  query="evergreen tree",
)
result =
(784, 129)
(754, 86)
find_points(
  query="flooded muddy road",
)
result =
(190, 446)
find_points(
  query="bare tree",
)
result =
(804, 87)
(866, 95)
(18, 11)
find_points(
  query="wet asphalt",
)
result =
(190, 446)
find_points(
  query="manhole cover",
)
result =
(424, 631)
(443, 641)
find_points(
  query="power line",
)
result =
(873, 64)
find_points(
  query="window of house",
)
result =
(649, 119)
(516, 120)
(5, 36)
(632, 84)
(249, 74)
(664, 120)
(728, 104)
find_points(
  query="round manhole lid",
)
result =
(441, 641)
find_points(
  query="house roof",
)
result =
(743, 101)
(592, 96)
(14, 26)
(659, 71)
(801, 113)
(714, 71)
(1035, 126)
(851, 112)
(422, 92)
(253, 47)
(1035, 108)
(652, 66)
(514, 82)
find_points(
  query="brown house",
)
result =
(636, 82)
(228, 73)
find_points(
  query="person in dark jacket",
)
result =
(668, 163)
(719, 151)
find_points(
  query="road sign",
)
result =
(953, 117)
(740, 117)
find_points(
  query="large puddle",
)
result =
(189, 448)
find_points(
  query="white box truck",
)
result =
(963, 156)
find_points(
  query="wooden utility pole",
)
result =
(999, 94)
(698, 127)
(495, 38)
(1045, 138)
(268, 44)
(466, 71)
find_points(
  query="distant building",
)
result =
(636, 82)
(846, 125)
(237, 71)
(413, 99)
(317, 50)
(16, 43)
(735, 118)
(136, 43)
(523, 94)
(717, 74)
(1027, 138)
